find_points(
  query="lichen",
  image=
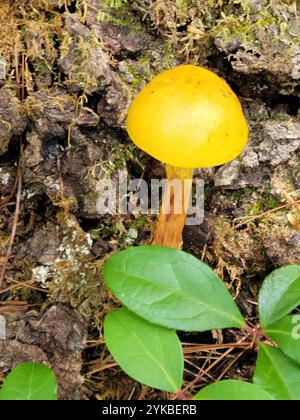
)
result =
(4, 177)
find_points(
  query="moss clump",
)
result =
(85, 62)
(119, 156)
(223, 24)
(137, 73)
(28, 40)
(239, 194)
(244, 24)
(118, 12)
(241, 251)
(262, 204)
(115, 4)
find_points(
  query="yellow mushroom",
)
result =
(186, 117)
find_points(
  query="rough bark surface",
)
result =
(68, 72)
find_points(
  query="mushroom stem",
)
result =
(175, 202)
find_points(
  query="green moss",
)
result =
(236, 19)
(262, 204)
(139, 222)
(136, 78)
(140, 72)
(119, 156)
(237, 195)
(183, 5)
(106, 17)
(105, 231)
(230, 26)
(84, 59)
(169, 54)
(119, 13)
(265, 18)
(115, 4)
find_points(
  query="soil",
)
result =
(68, 72)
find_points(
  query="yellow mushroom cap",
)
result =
(188, 117)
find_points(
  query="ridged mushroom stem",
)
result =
(175, 202)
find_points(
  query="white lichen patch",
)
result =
(4, 177)
(41, 274)
(73, 251)
(29, 194)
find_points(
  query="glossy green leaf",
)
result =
(29, 381)
(277, 374)
(171, 288)
(279, 294)
(233, 390)
(286, 334)
(148, 353)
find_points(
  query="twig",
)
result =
(131, 393)
(17, 76)
(231, 364)
(101, 368)
(23, 284)
(210, 347)
(213, 364)
(290, 199)
(199, 369)
(17, 308)
(14, 229)
(259, 216)
(14, 303)
(23, 78)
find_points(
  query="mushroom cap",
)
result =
(188, 117)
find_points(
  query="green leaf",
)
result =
(277, 374)
(29, 381)
(171, 288)
(286, 334)
(280, 294)
(232, 390)
(148, 353)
